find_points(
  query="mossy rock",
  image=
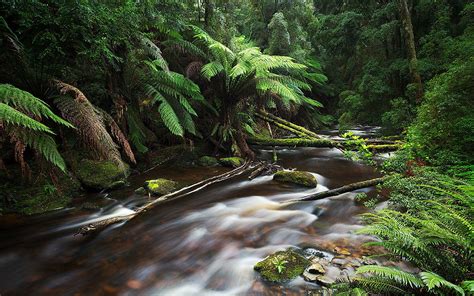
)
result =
(208, 161)
(99, 175)
(295, 266)
(296, 177)
(160, 186)
(231, 161)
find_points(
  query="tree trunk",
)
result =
(208, 10)
(410, 44)
(289, 126)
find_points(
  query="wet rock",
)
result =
(208, 161)
(342, 251)
(231, 161)
(100, 175)
(141, 191)
(160, 186)
(296, 177)
(325, 280)
(339, 261)
(310, 277)
(316, 268)
(293, 265)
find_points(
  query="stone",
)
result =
(100, 175)
(141, 191)
(316, 268)
(160, 186)
(293, 266)
(342, 251)
(208, 161)
(339, 261)
(296, 177)
(325, 281)
(232, 161)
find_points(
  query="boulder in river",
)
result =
(208, 161)
(99, 175)
(282, 266)
(296, 177)
(160, 187)
(232, 161)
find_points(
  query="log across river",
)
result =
(204, 244)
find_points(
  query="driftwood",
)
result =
(99, 225)
(341, 190)
(265, 169)
(286, 125)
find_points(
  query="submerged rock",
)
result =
(160, 186)
(296, 177)
(99, 175)
(291, 266)
(208, 161)
(231, 161)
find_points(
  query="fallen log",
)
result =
(300, 142)
(340, 190)
(101, 224)
(284, 124)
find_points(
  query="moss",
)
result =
(99, 175)
(296, 177)
(231, 161)
(294, 266)
(160, 186)
(18, 196)
(208, 161)
(384, 147)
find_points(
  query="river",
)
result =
(203, 244)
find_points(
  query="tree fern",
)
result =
(20, 113)
(172, 93)
(401, 277)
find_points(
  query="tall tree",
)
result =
(411, 49)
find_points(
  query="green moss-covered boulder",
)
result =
(231, 161)
(99, 175)
(291, 265)
(208, 161)
(296, 177)
(160, 187)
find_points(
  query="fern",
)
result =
(172, 93)
(20, 113)
(396, 275)
(432, 281)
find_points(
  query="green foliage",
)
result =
(437, 238)
(173, 93)
(443, 132)
(362, 152)
(279, 264)
(20, 113)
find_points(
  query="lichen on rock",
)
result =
(231, 161)
(296, 177)
(160, 186)
(293, 264)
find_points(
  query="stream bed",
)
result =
(203, 244)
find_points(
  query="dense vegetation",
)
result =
(115, 82)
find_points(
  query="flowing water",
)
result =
(204, 244)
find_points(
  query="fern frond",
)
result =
(399, 276)
(11, 116)
(432, 280)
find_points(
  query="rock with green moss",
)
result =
(296, 177)
(208, 161)
(160, 187)
(282, 266)
(231, 161)
(99, 175)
